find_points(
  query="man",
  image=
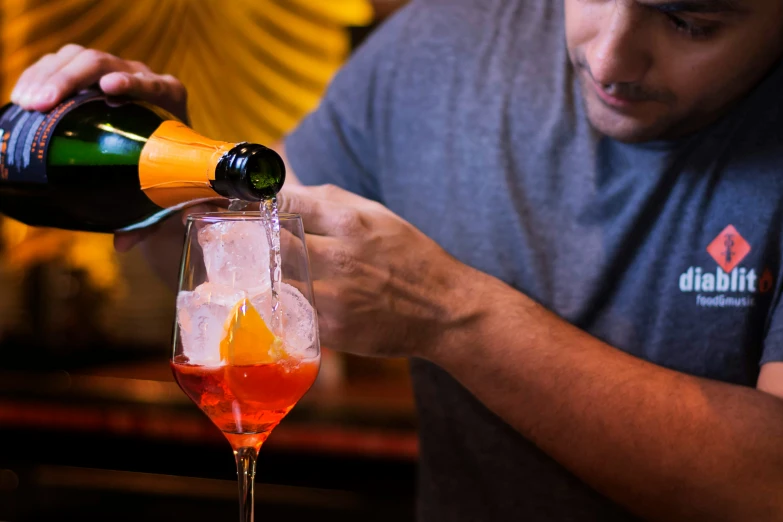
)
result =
(598, 335)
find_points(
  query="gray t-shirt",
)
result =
(464, 117)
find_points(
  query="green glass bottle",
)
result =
(103, 165)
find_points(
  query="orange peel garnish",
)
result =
(248, 339)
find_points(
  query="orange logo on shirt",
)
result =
(728, 285)
(729, 249)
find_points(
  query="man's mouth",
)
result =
(613, 97)
(619, 96)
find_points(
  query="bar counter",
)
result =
(122, 441)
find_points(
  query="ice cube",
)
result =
(203, 316)
(236, 254)
(298, 319)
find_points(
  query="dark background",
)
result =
(92, 426)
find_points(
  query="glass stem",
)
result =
(246, 473)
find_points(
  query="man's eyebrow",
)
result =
(699, 6)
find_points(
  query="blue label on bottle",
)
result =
(25, 137)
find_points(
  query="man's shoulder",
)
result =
(448, 18)
(480, 30)
(476, 14)
(484, 6)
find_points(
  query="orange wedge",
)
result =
(248, 339)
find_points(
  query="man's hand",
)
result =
(382, 288)
(73, 68)
(57, 76)
(668, 446)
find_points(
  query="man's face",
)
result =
(658, 69)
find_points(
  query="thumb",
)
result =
(125, 241)
(318, 216)
(299, 199)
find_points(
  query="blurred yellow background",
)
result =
(253, 68)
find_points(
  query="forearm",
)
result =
(666, 445)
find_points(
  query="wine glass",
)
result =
(246, 349)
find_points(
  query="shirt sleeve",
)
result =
(772, 350)
(338, 143)
(770, 285)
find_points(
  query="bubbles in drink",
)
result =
(272, 219)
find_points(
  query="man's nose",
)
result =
(618, 53)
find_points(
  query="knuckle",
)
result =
(133, 81)
(155, 85)
(348, 221)
(26, 74)
(47, 58)
(171, 80)
(343, 261)
(70, 48)
(177, 87)
(328, 191)
(91, 54)
(61, 81)
(94, 57)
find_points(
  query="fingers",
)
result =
(314, 212)
(27, 89)
(293, 254)
(73, 68)
(329, 304)
(162, 90)
(331, 258)
(84, 70)
(124, 242)
(55, 77)
(336, 194)
(331, 193)
(340, 215)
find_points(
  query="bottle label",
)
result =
(178, 164)
(25, 137)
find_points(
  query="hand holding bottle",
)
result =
(56, 78)
(59, 75)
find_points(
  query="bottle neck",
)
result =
(249, 172)
(178, 165)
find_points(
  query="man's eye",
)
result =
(693, 30)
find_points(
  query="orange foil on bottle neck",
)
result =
(177, 165)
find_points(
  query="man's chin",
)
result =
(626, 128)
(624, 133)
